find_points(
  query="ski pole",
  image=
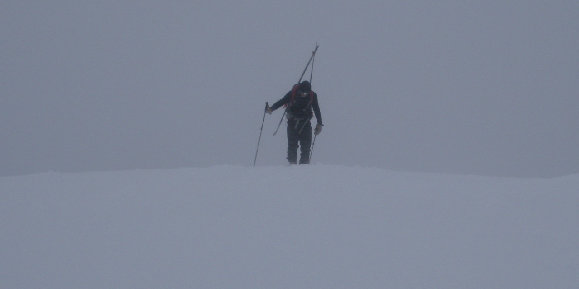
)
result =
(300, 80)
(260, 130)
(312, 148)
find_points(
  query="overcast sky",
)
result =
(475, 87)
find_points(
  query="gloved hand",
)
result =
(268, 110)
(318, 129)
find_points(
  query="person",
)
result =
(300, 101)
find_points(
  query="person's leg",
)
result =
(305, 143)
(292, 143)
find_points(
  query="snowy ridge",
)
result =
(239, 227)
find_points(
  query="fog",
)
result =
(467, 87)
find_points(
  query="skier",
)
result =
(299, 102)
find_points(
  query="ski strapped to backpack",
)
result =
(310, 61)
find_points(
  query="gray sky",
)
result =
(483, 87)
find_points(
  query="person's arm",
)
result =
(316, 107)
(317, 112)
(281, 102)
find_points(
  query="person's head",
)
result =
(305, 85)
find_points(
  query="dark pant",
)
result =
(299, 131)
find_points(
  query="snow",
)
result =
(315, 226)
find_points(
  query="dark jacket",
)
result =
(300, 113)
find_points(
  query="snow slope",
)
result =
(287, 227)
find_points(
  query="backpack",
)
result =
(300, 103)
